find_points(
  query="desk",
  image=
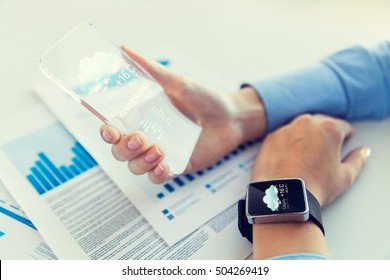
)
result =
(240, 40)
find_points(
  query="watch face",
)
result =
(276, 197)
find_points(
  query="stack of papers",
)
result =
(80, 203)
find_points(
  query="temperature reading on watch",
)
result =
(283, 190)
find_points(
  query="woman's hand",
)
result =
(308, 148)
(227, 120)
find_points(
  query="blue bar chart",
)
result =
(45, 175)
(49, 158)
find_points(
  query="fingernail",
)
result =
(158, 171)
(134, 143)
(106, 136)
(153, 155)
(367, 152)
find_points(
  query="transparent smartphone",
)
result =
(106, 81)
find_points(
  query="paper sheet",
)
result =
(80, 211)
(181, 206)
(19, 239)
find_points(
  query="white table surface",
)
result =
(241, 40)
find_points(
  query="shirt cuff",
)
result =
(382, 59)
(300, 256)
(314, 89)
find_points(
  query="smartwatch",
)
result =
(273, 201)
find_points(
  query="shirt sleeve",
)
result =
(300, 256)
(353, 84)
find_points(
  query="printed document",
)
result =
(80, 212)
(19, 238)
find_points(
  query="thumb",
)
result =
(353, 164)
(160, 73)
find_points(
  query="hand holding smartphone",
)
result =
(105, 80)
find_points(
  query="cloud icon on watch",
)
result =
(271, 198)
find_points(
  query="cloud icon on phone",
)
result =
(95, 71)
(271, 198)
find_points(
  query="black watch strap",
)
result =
(243, 225)
(246, 228)
(315, 211)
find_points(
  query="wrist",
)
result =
(284, 218)
(316, 190)
(275, 239)
(249, 114)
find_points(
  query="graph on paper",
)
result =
(10, 208)
(45, 175)
(14, 212)
(180, 182)
(49, 158)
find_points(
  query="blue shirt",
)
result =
(353, 84)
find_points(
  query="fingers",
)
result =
(146, 161)
(130, 146)
(134, 149)
(151, 162)
(160, 173)
(334, 126)
(345, 128)
(353, 164)
(110, 134)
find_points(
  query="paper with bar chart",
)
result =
(79, 210)
(179, 207)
